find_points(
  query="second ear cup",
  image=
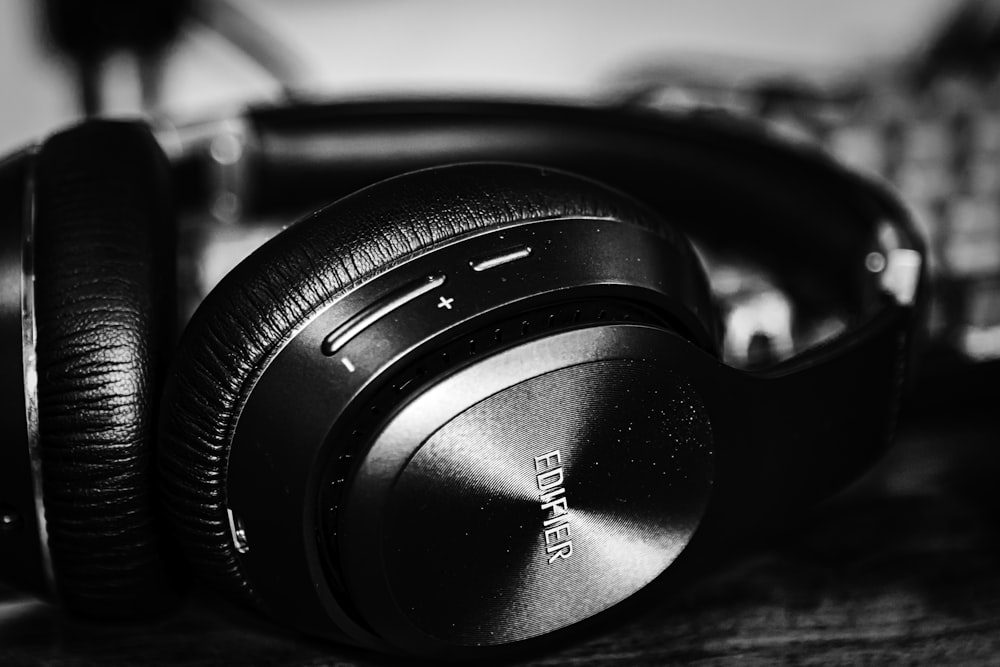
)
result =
(103, 311)
(260, 305)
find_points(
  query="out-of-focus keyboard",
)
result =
(942, 152)
(938, 143)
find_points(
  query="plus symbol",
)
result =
(445, 303)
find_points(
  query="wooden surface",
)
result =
(906, 570)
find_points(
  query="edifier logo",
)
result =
(549, 476)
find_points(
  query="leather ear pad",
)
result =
(255, 309)
(103, 307)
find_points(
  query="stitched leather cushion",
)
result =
(245, 320)
(103, 294)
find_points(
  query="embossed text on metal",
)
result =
(552, 494)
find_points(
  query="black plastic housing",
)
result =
(291, 428)
(781, 438)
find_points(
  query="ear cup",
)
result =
(103, 294)
(244, 322)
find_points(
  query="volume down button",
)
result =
(340, 336)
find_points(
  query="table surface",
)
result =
(904, 569)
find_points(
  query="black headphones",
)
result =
(456, 411)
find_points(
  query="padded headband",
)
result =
(785, 205)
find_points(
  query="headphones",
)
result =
(471, 405)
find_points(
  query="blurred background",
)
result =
(350, 47)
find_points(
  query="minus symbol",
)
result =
(348, 365)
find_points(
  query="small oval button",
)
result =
(494, 260)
